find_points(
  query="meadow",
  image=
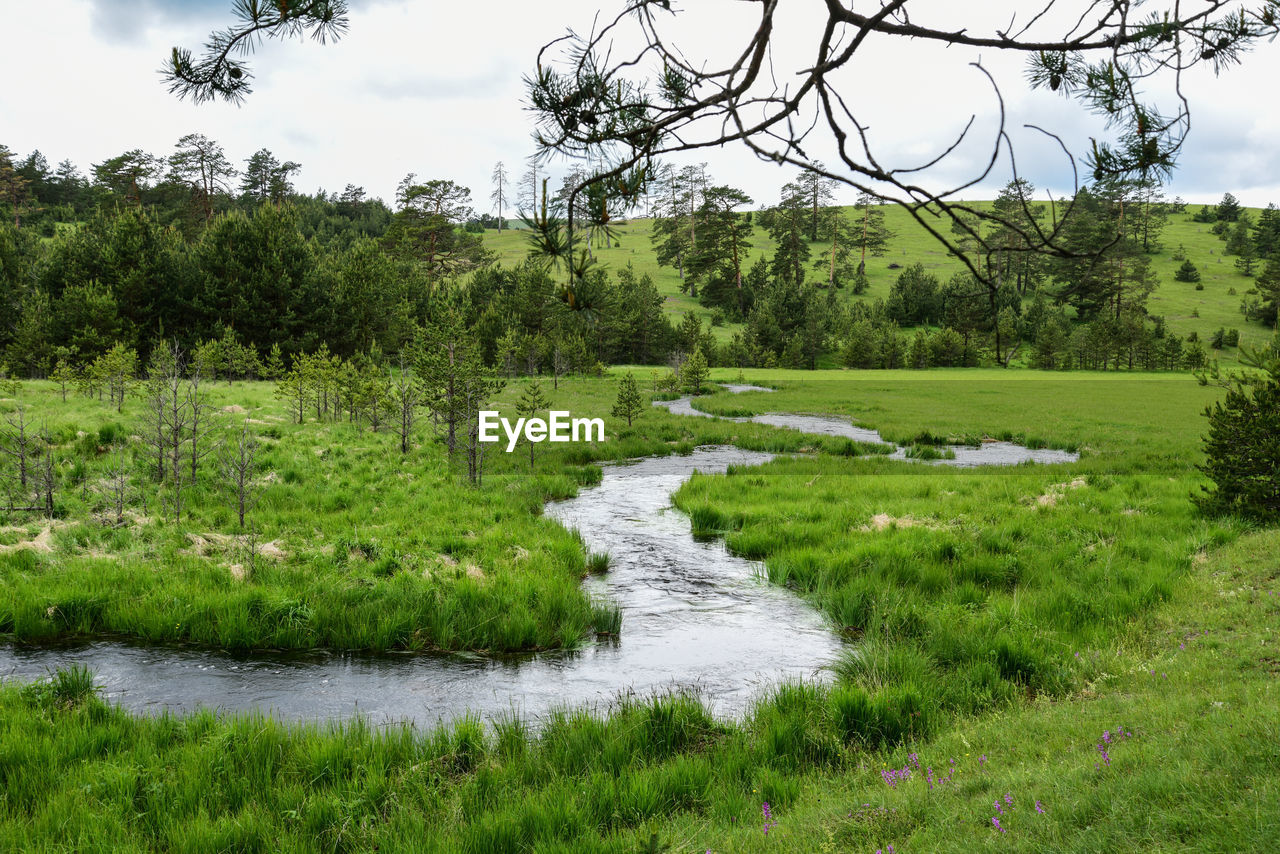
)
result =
(1069, 650)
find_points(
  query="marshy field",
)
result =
(1065, 657)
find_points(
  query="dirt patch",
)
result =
(41, 542)
(234, 409)
(1058, 491)
(883, 521)
(441, 565)
(209, 545)
(475, 573)
(238, 572)
(273, 550)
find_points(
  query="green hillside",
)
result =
(1183, 307)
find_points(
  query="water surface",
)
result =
(991, 453)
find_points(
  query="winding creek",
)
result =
(989, 453)
(694, 617)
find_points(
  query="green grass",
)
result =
(1176, 301)
(1013, 615)
(1193, 682)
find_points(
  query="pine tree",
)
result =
(629, 404)
(1187, 272)
(1242, 454)
(274, 368)
(695, 372)
(64, 374)
(871, 235)
(530, 403)
(1238, 238)
(1228, 209)
(1266, 237)
(1247, 260)
(787, 223)
(499, 194)
(918, 355)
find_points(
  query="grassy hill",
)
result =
(1185, 308)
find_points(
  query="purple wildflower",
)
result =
(768, 818)
(995, 821)
(1039, 808)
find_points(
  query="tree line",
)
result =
(266, 276)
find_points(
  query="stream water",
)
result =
(989, 453)
(694, 617)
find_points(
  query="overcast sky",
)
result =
(435, 88)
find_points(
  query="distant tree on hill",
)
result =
(1266, 236)
(723, 242)
(1247, 258)
(1187, 272)
(1228, 209)
(873, 237)
(1206, 215)
(129, 174)
(675, 230)
(427, 228)
(266, 179)
(820, 192)
(1153, 212)
(499, 194)
(201, 163)
(1266, 306)
(836, 264)
(1239, 236)
(13, 186)
(787, 223)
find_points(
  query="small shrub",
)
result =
(1187, 273)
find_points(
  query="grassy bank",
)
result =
(355, 545)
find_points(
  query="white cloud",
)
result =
(436, 89)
